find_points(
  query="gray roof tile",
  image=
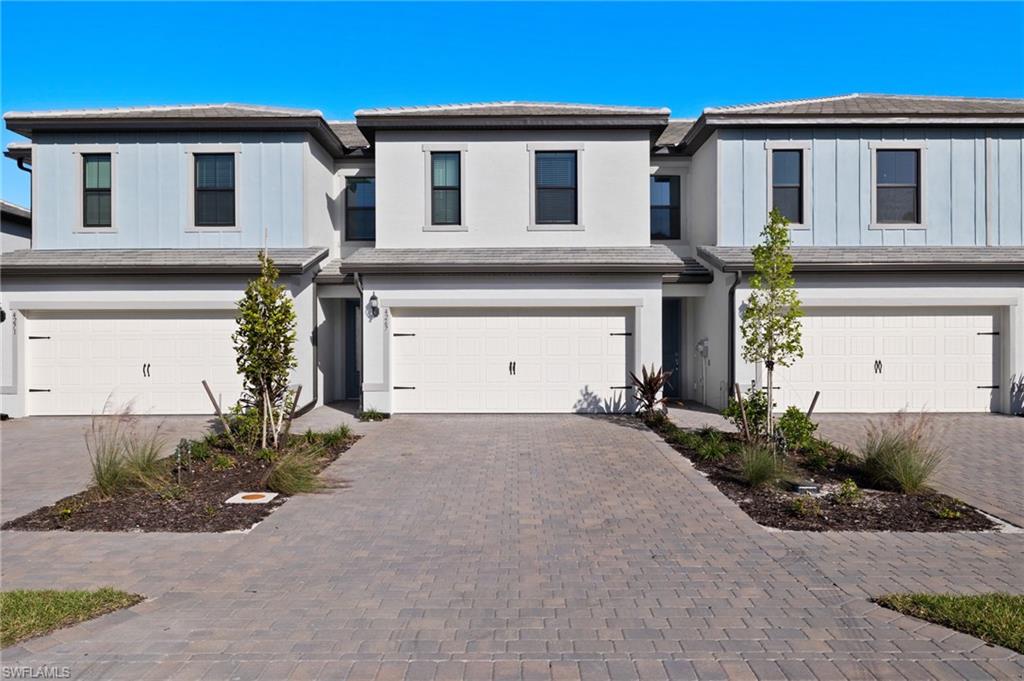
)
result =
(171, 111)
(349, 134)
(674, 132)
(880, 105)
(165, 260)
(513, 108)
(875, 258)
(656, 258)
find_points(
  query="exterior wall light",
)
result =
(374, 306)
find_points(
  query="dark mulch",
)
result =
(197, 505)
(877, 510)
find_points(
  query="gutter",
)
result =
(732, 330)
(359, 287)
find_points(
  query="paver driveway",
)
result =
(514, 547)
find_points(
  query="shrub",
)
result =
(758, 465)
(648, 389)
(335, 436)
(712, 445)
(755, 403)
(805, 507)
(897, 453)
(201, 450)
(684, 438)
(222, 462)
(246, 428)
(797, 429)
(848, 493)
(371, 415)
(294, 472)
(818, 456)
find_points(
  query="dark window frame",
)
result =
(674, 211)
(799, 186)
(87, 192)
(456, 189)
(899, 185)
(349, 209)
(574, 188)
(199, 191)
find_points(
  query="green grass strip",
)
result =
(996, 618)
(28, 613)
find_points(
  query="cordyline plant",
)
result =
(648, 389)
(771, 320)
(265, 347)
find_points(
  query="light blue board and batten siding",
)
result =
(151, 187)
(955, 160)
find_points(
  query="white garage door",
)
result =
(509, 361)
(885, 360)
(157, 361)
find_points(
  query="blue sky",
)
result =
(338, 57)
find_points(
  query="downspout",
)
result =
(359, 288)
(732, 331)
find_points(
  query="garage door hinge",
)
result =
(988, 387)
(39, 390)
(403, 334)
(404, 387)
(988, 333)
(626, 333)
(39, 338)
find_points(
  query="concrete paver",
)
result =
(520, 547)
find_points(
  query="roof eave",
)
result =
(475, 122)
(546, 268)
(315, 125)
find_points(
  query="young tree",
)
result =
(771, 321)
(265, 347)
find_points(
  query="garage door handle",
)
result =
(145, 370)
(878, 366)
(988, 387)
(39, 390)
(513, 368)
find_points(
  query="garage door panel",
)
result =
(94, 360)
(563, 359)
(930, 358)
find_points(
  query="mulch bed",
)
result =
(196, 506)
(877, 510)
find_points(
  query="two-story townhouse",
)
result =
(520, 256)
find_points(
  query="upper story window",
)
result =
(215, 190)
(96, 190)
(788, 183)
(898, 186)
(665, 207)
(360, 209)
(555, 175)
(445, 188)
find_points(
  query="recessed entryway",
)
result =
(510, 360)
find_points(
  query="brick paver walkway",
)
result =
(514, 547)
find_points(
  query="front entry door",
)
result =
(672, 345)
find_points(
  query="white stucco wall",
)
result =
(22, 295)
(639, 293)
(613, 185)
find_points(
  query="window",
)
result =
(360, 209)
(556, 187)
(215, 190)
(445, 188)
(788, 183)
(665, 207)
(897, 186)
(96, 194)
